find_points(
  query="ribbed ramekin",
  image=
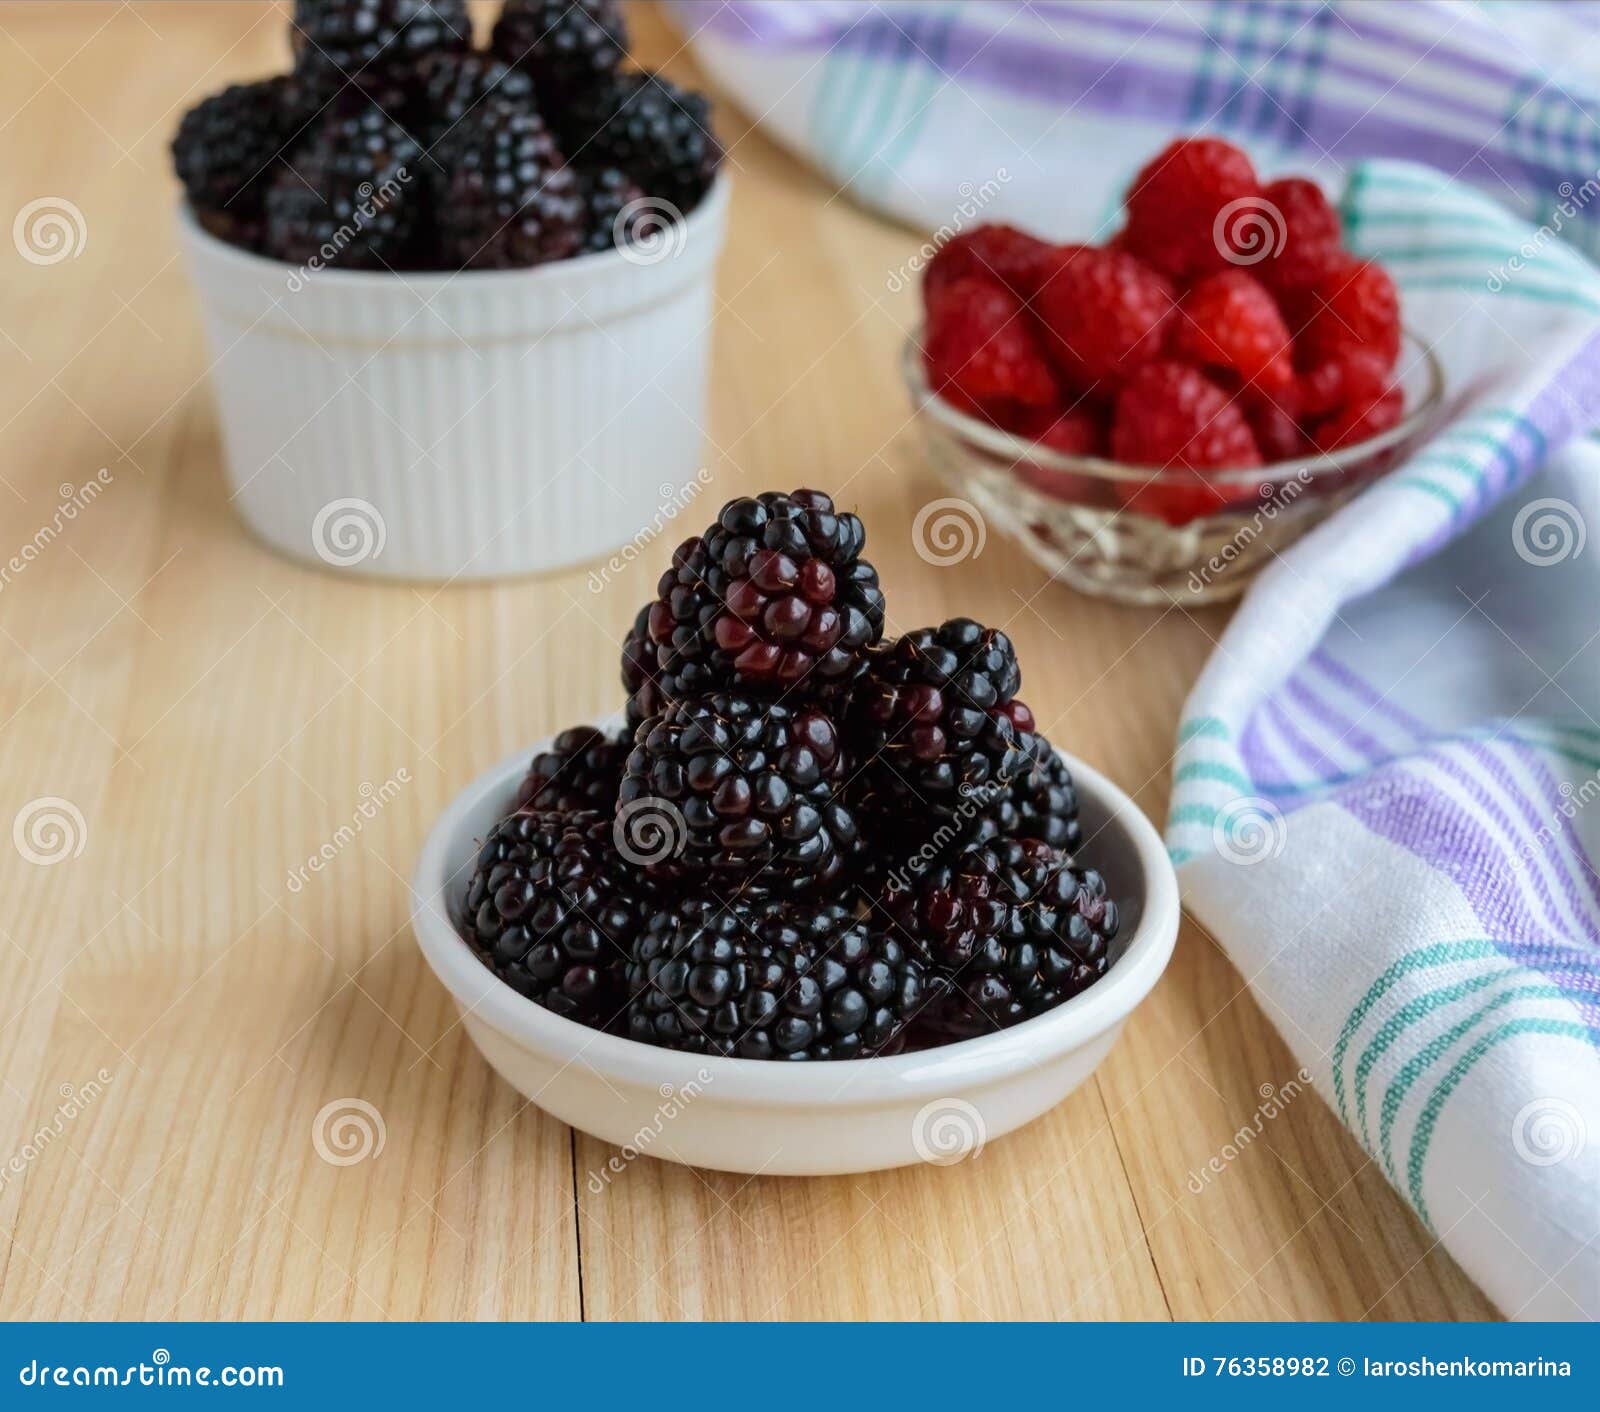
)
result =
(461, 426)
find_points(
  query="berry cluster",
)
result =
(395, 144)
(809, 843)
(1224, 328)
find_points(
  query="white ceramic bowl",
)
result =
(748, 1115)
(462, 426)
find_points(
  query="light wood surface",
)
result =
(214, 714)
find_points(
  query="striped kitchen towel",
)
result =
(1387, 783)
(1037, 111)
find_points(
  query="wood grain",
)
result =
(214, 714)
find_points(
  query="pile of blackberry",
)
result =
(394, 144)
(807, 842)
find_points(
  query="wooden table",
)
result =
(205, 716)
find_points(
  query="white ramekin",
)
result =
(461, 426)
(746, 1115)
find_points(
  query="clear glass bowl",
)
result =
(1069, 513)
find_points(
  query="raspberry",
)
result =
(1175, 203)
(980, 352)
(1229, 321)
(1351, 374)
(999, 254)
(1171, 415)
(1309, 248)
(1277, 433)
(1177, 498)
(1360, 420)
(1075, 431)
(1354, 306)
(1102, 313)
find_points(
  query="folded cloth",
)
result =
(1039, 111)
(1386, 796)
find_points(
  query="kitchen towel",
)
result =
(1386, 800)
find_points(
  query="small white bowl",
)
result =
(468, 425)
(750, 1115)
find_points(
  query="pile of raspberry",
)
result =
(1225, 327)
(396, 144)
(810, 842)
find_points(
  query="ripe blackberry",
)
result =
(645, 698)
(564, 44)
(1012, 926)
(770, 981)
(352, 200)
(773, 597)
(580, 771)
(512, 200)
(1043, 802)
(226, 153)
(746, 789)
(607, 193)
(449, 86)
(551, 910)
(655, 131)
(938, 726)
(340, 41)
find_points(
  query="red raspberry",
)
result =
(1175, 203)
(1103, 313)
(1350, 375)
(980, 351)
(1278, 435)
(1229, 321)
(1309, 247)
(1361, 420)
(1178, 497)
(1354, 306)
(1075, 431)
(999, 254)
(1170, 414)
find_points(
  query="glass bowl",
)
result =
(1070, 512)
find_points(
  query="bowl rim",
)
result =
(708, 212)
(846, 1082)
(1017, 448)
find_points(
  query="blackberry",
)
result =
(1043, 802)
(351, 200)
(564, 44)
(748, 791)
(580, 771)
(512, 200)
(551, 910)
(607, 193)
(450, 86)
(774, 597)
(770, 981)
(1012, 928)
(655, 131)
(340, 41)
(645, 698)
(226, 153)
(939, 727)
